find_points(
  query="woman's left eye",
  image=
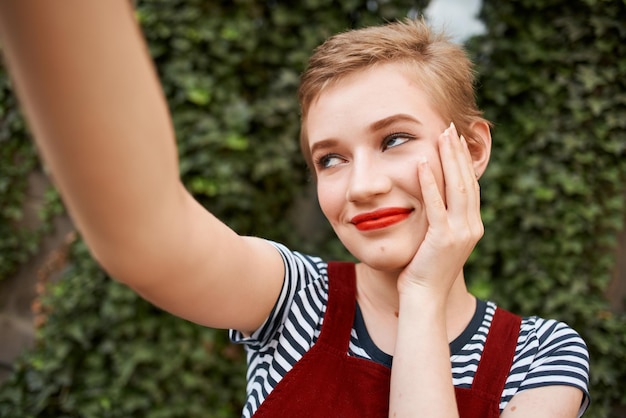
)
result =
(395, 140)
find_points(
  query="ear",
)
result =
(481, 149)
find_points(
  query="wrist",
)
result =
(423, 292)
(417, 301)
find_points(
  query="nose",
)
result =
(367, 179)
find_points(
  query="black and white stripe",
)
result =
(548, 352)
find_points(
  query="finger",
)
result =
(474, 217)
(475, 196)
(465, 158)
(468, 174)
(455, 174)
(433, 202)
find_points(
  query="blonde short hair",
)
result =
(440, 66)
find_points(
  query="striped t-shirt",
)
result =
(548, 352)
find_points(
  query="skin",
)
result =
(116, 167)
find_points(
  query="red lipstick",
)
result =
(381, 218)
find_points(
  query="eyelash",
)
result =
(322, 160)
(397, 135)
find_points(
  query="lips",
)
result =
(381, 218)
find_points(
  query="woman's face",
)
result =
(366, 134)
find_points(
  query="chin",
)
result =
(384, 259)
(389, 253)
(387, 266)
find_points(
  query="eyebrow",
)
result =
(325, 144)
(400, 117)
(375, 126)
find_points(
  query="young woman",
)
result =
(396, 144)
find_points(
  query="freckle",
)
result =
(513, 408)
(396, 314)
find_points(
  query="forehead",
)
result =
(361, 99)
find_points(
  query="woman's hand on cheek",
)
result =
(455, 225)
(420, 377)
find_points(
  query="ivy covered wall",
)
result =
(553, 79)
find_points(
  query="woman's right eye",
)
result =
(328, 161)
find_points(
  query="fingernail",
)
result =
(464, 142)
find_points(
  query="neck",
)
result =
(377, 295)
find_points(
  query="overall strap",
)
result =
(341, 306)
(497, 358)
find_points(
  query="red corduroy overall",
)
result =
(327, 382)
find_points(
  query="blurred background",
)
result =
(552, 78)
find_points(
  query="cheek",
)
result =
(406, 172)
(329, 201)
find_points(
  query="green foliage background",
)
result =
(553, 77)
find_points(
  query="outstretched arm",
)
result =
(101, 123)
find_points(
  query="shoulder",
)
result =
(553, 342)
(303, 266)
(303, 273)
(549, 353)
(543, 338)
(302, 299)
